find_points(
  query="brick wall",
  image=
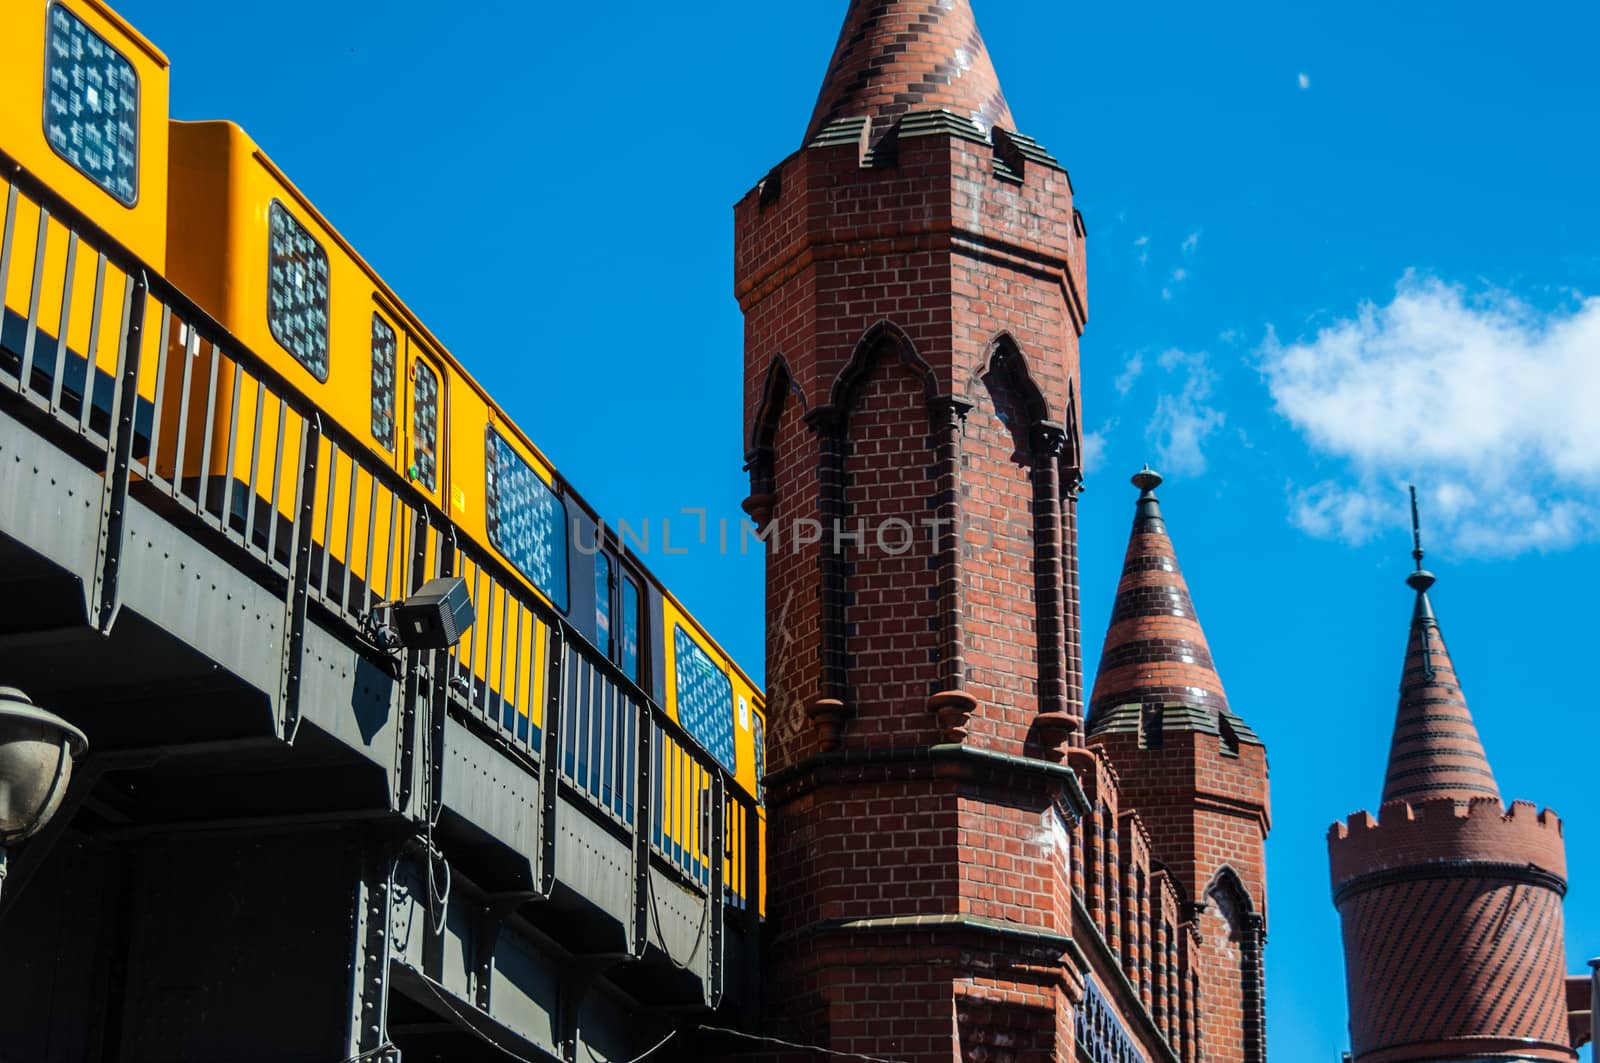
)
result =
(1203, 809)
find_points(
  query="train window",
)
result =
(758, 735)
(384, 347)
(91, 105)
(628, 637)
(297, 291)
(705, 698)
(527, 520)
(602, 603)
(425, 425)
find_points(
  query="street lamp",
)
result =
(36, 753)
(436, 616)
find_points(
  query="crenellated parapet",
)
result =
(1440, 834)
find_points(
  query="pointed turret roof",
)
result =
(899, 56)
(1435, 752)
(1155, 651)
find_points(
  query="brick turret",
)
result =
(1451, 905)
(913, 287)
(1195, 773)
(899, 58)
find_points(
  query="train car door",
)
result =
(422, 455)
(619, 631)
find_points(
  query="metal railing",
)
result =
(149, 388)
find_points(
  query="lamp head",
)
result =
(436, 616)
(37, 749)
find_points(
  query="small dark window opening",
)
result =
(1151, 718)
(1230, 737)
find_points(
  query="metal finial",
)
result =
(1416, 529)
(1421, 579)
(1147, 480)
(1149, 507)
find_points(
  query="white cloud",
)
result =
(1141, 241)
(1094, 449)
(1185, 420)
(1180, 274)
(1191, 242)
(1487, 404)
(1305, 81)
(1130, 373)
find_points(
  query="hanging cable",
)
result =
(699, 936)
(430, 820)
(652, 1050)
(362, 1057)
(467, 1020)
(818, 1049)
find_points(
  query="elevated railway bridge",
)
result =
(288, 841)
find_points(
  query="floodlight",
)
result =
(436, 616)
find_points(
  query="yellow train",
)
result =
(203, 206)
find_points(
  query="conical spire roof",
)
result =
(899, 56)
(1155, 651)
(1435, 752)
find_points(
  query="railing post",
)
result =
(754, 863)
(754, 860)
(406, 733)
(439, 689)
(643, 809)
(436, 716)
(405, 725)
(294, 623)
(103, 595)
(550, 760)
(719, 851)
(440, 706)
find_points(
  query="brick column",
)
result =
(1055, 724)
(950, 704)
(1072, 484)
(830, 709)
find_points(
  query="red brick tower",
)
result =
(1195, 773)
(1453, 939)
(913, 287)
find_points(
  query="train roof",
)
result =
(399, 307)
(123, 25)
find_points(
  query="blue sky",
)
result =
(1330, 251)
